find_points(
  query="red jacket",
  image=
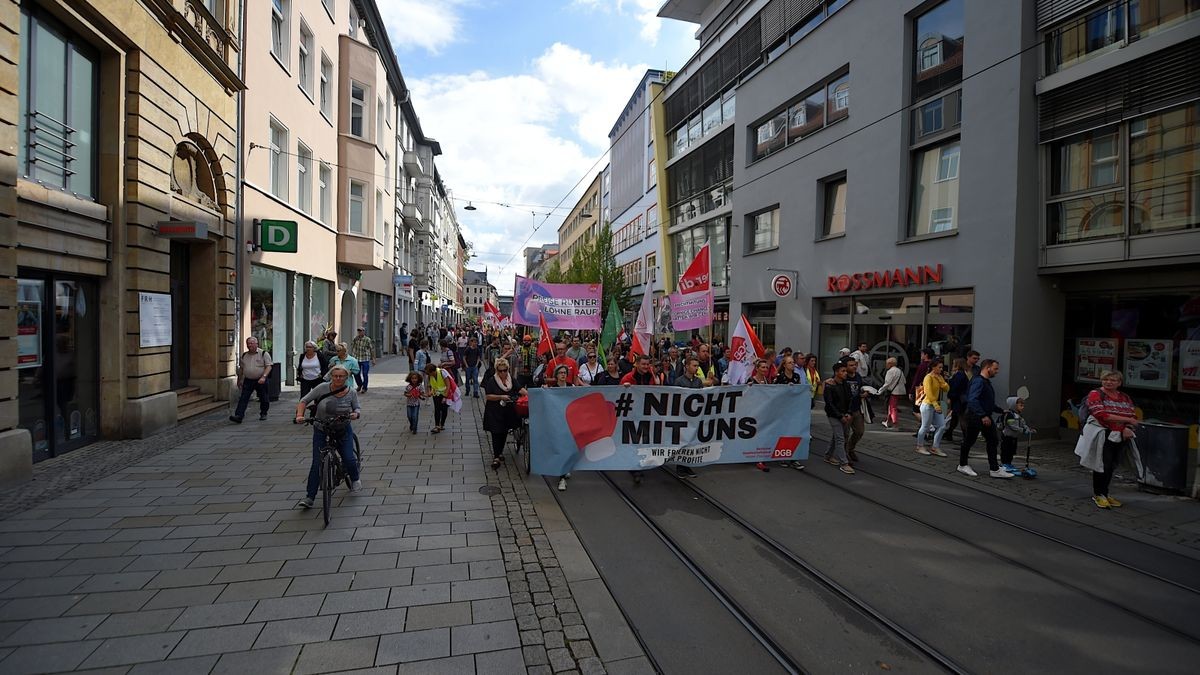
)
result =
(1103, 405)
(631, 378)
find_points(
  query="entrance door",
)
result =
(891, 326)
(180, 353)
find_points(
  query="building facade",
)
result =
(477, 290)
(633, 193)
(1068, 244)
(581, 225)
(117, 226)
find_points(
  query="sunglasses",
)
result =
(502, 370)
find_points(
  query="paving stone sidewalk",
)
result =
(1062, 486)
(194, 560)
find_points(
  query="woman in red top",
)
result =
(1113, 409)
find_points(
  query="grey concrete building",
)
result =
(956, 175)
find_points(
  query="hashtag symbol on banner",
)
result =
(624, 405)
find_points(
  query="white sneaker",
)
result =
(966, 469)
(1000, 473)
(922, 451)
(562, 484)
(356, 486)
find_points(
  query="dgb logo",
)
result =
(785, 447)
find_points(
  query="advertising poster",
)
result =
(29, 334)
(1148, 364)
(634, 428)
(1189, 366)
(1093, 356)
(154, 317)
(571, 306)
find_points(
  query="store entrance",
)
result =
(180, 311)
(58, 361)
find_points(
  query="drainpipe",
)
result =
(239, 211)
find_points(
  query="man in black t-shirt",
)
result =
(471, 357)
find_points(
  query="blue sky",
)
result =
(521, 96)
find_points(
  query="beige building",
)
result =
(581, 225)
(117, 213)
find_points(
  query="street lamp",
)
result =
(469, 207)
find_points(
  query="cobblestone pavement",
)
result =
(1062, 486)
(195, 559)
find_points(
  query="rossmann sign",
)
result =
(923, 275)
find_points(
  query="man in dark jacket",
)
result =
(981, 405)
(838, 402)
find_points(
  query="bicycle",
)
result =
(520, 434)
(331, 467)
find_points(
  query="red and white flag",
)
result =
(698, 276)
(643, 328)
(545, 343)
(744, 350)
(491, 313)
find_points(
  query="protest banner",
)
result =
(635, 428)
(565, 306)
(691, 311)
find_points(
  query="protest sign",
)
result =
(573, 306)
(691, 311)
(634, 428)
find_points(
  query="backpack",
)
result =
(1082, 411)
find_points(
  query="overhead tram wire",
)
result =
(902, 109)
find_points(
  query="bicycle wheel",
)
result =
(526, 457)
(327, 483)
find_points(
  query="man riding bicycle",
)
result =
(332, 399)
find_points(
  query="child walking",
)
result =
(1011, 432)
(413, 393)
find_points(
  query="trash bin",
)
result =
(1164, 450)
(275, 383)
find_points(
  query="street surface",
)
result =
(185, 554)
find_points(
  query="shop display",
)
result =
(1093, 356)
(1148, 364)
(1189, 366)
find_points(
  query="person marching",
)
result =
(933, 409)
(500, 392)
(838, 403)
(981, 405)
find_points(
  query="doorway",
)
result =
(348, 319)
(180, 311)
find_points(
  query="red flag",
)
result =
(545, 344)
(744, 350)
(697, 277)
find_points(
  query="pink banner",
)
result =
(691, 311)
(573, 306)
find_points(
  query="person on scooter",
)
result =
(332, 398)
(1011, 431)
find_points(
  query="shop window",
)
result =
(268, 309)
(58, 87)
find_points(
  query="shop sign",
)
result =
(179, 229)
(1148, 364)
(1094, 356)
(154, 319)
(404, 281)
(922, 275)
(1189, 366)
(29, 334)
(782, 285)
(278, 236)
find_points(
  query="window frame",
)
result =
(751, 247)
(304, 54)
(281, 29)
(798, 105)
(824, 215)
(279, 176)
(325, 192)
(362, 206)
(361, 105)
(326, 87)
(938, 143)
(304, 160)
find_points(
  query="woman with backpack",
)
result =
(1106, 434)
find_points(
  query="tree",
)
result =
(595, 262)
(554, 273)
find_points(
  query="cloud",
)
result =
(524, 138)
(645, 11)
(425, 24)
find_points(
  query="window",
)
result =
(1090, 197)
(303, 178)
(652, 220)
(379, 117)
(825, 103)
(328, 4)
(934, 189)
(358, 109)
(280, 19)
(353, 21)
(58, 89)
(379, 212)
(651, 172)
(1109, 27)
(305, 60)
(278, 159)
(357, 215)
(938, 49)
(834, 201)
(326, 93)
(763, 231)
(325, 184)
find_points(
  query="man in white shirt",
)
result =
(253, 371)
(863, 356)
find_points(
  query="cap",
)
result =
(528, 338)
(844, 350)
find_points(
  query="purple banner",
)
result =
(691, 311)
(573, 306)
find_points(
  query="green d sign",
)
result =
(278, 236)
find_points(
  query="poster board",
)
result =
(29, 334)
(1148, 363)
(1189, 366)
(1093, 356)
(154, 319)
